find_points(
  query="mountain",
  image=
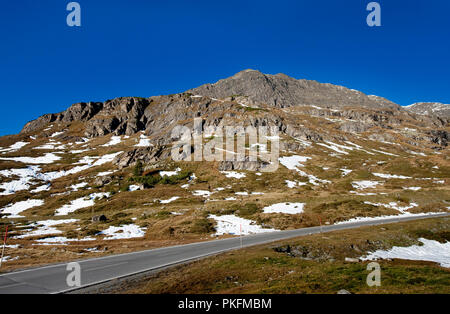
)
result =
(283, 91)
(100, 178)
(248, 97)
(430, 108)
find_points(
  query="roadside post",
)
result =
(4, 245)
(240, 234)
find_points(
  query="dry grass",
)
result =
(263, 270)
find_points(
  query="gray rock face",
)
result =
(430, 108)
(381, 137)
(101, 181)
(121, 115)
(38, 123)
(77, 112)
(80, 112)
(439, 137)
(283, 91)
(355, 127)
(243, 165)
(147, 155)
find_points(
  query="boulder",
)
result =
(99, 218)
(101, 181)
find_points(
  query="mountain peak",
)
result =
(281, 90)
(249, 71)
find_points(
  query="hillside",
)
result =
(99, 177)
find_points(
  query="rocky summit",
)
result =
(283, 91)
(101, 177)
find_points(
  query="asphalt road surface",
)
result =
(53, 278)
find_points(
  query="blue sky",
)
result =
(146, 48)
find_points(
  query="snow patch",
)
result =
(365, 184)
(76, 187)
(46, 227)
(385, 153)
(170, 173)
(293, 162)
(431, 250)
(170, 200)
(26, 176)
(14, 147)
(80, 203)
(284, 208)
(395, 205)
(13, 210)
(88, 162)
(42, 188)
(123, 232)
(417, 153)
(133, 188)
(412, 188)
(231, 224)
(234, 174)
(144, 141)
(391, 176)
(367, 219)
(57, 134)
(202, 193)
(341, 149)
(345, 171)
(105, 173)
(48, 158)
(113, 141)
(9, 258)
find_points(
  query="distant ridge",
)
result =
(430, 108)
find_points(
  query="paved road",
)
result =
(52, 279)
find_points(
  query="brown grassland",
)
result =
(263, 270)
